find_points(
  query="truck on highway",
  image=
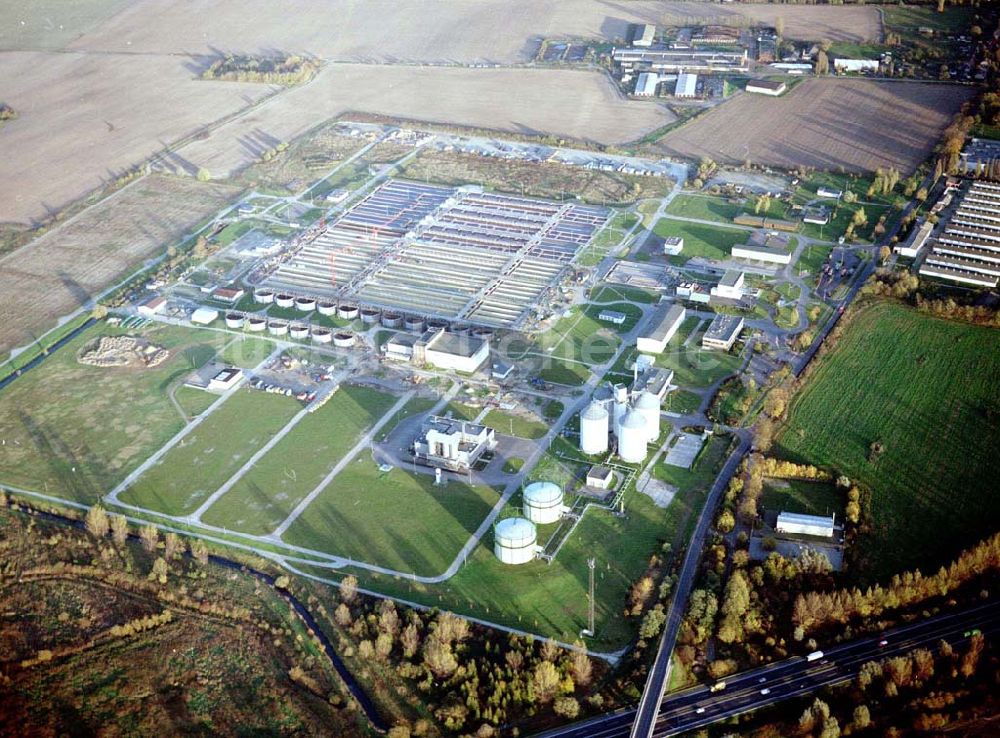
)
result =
(814, 656)
(717, 687)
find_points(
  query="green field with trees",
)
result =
(907, 405)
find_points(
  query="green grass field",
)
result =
(246, 352)
(564, 372)
(396, 519)
(697, 367)
(266, 495)
(551, 599)
(75, 431)
(194, 401)
(706, 241)
(522, 427)
(632, 313)
(614, 292)
(704, 207)
(682, 401)
(210, 454)
(927, 390)
(582, 337)
(806, 498)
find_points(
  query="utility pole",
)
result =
(591, 563)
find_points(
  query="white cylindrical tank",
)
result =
(514, 541)
(594, 429)
(620, 394)
(648, 405)
(543, 502)
(632, 438)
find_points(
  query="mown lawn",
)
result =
(806, 498)
(705, 241)
(75, 431)
(927, 390)
(208, 456)
(395, 519)
(516, 425)
(704, 207)
(268, 493)
(580, 336)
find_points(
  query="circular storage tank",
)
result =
(305, 304)
(460, 330)
(648, 406)
(514, 541)
(326, 308)
(277, 327)
(263, 296)
(437, 325)
(486, 333)
(415, 324)
(344, 339)
(594, 429)
(284, 301)
(299, 331)
(234, 320)
(256, 325)
(392, 320)
(321, 335)
(349, 312)
(369, 316)
(543, 502)
(632, 438)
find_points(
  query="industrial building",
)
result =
(515, 541)
(230, 295)
(680, 60)
(225, 379)
(543, 502)
(646, 83)
(694, 292)
(660, 327)
(153, 306)
(452, 444)
(755, 252)
(441, 252)
(731, 286)
(462, 353)
(808, 525)
(967, 250)
(642, 35)
(204, 316)
(978, 153)
(612, 316)
(673, 245)
(766, 87)
(600, 477)
(916, 241)
(722, 332)
(687, 85)
(654, 380)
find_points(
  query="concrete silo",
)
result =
(515, 541)
(594, 429)
(543, 502)
(647, 405)
(632, 438)
(620, 405)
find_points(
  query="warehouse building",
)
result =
(645, 85)
(754, 252)
(916, 241)
(660, 327)
(642, 35)
(807, 525)
(461, 353)
(612, 316)
(687, 85)
(766, 87)
(225, 380)
(731, 286)
(680, 60)
(153, 306)
(204, 316)
(452, 444)
(722, 332)
(967, 250)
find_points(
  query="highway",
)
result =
(786, 679)
(656, 683)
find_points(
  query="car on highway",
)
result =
(700, 711)
(761, 680)
(765, 691)
(883, 643)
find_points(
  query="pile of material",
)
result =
(122, 351)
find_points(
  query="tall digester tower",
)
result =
(594, 429)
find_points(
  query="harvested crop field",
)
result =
(826, 124)
(58, 272)
(501, 31)
(84, 119)
(577, 104)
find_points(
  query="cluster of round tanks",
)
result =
(594, 429)
(543, 502)
(514, 540)
(635, 426)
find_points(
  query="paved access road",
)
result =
(789, 678)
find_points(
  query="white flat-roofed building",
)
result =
(452, 444)
(694, 292)
(462, 353)
(731, 286)
(226, 379)
(751, 252)
(600, 477)
(204, 316)
(660, 327)
(829, 192)
(643, 35)
(687, 85)
(400, 347)
(807, 525)
(655, 381)
(673, 245)
(645, 85)
(612, 316)
(766, 87)
(722, 332)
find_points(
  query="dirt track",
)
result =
(826, 124)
